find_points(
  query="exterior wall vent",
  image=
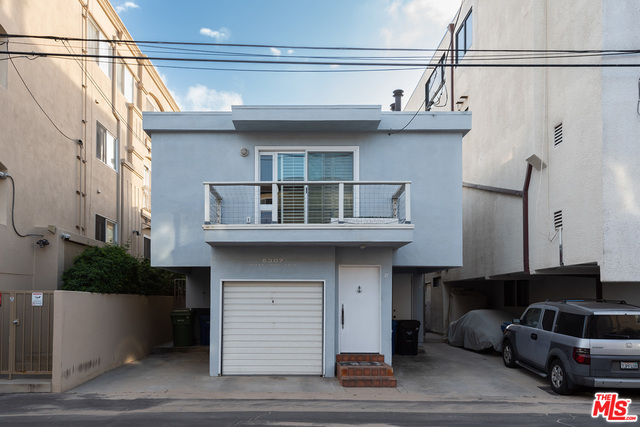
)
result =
(557, 134)
(557, 219)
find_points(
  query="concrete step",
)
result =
(359, 357)
(363, 369)
(369, 382)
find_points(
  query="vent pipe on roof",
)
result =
(397, 106)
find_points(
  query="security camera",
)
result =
(65, 236)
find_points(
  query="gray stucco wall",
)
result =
(300, 264)
(430, 159)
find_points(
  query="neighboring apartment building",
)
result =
(308, 217)
(71, 139)
(551, 166)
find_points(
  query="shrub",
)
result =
(110, 269)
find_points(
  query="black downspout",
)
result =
(525, 219)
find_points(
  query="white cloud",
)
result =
(275, 51)
(412, 23)
(290, 51)
(126, 6)
(219, 35)
(201, 98)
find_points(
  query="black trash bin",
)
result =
(407, 337)
(205, 328)
(394, 333)
(182, 321)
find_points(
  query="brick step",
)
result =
(359, 357)
(363, 369)
(368, 382)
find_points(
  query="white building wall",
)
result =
(588, 176)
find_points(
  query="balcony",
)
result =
(337, 213)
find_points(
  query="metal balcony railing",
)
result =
(308, 202)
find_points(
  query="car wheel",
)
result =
(560, 382)
(508, 355)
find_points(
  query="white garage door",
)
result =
(272, 328)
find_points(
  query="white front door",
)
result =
(359, 309)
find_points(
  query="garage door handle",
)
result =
(342, 321)
(534, 336)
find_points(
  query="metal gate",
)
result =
(26, 332)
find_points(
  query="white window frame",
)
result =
(102, 47)
(126, 82)
(467, 36)
(108, 225)
(110, 147)
(265, 150)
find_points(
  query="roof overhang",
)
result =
(331, 118)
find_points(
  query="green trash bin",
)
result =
(182, 321)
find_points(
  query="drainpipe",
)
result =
(452, 28)
(525, 219)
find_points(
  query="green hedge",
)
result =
(112, 270)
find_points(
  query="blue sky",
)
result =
(337, 23)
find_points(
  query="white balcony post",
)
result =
(274, 203)
(207, 203)
(407, 202)
(341, 203)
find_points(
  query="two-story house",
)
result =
(550, 169)
(291, 223)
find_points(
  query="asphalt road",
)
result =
(97, 410)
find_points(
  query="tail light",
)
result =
(582, 355)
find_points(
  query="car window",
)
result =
(611, 326)
(531, 317)
(570, 324)
(547, 319)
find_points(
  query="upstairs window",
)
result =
(105, 230)
(99, 44)
(464, 37)
(126, 82)
(435, 83)
(106, 146)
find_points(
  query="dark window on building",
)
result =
(147, 247)
(516, 293)
(105, 230)
(464, 37)
(435, 84)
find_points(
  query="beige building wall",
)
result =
(515, 110)
(61, 184)
(94, 333)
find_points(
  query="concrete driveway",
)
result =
(439, 372)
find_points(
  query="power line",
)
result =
(339, 48)
(331, 63)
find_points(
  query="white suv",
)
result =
(593, 343)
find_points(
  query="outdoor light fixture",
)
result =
(42, 243)
(244, 152)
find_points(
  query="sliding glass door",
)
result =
(300, 203)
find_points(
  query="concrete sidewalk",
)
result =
(439, 372)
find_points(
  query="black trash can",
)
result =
(394, 334)
(182, 321)
(407, 337)
(205, 328)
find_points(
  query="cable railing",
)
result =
(307, 202)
